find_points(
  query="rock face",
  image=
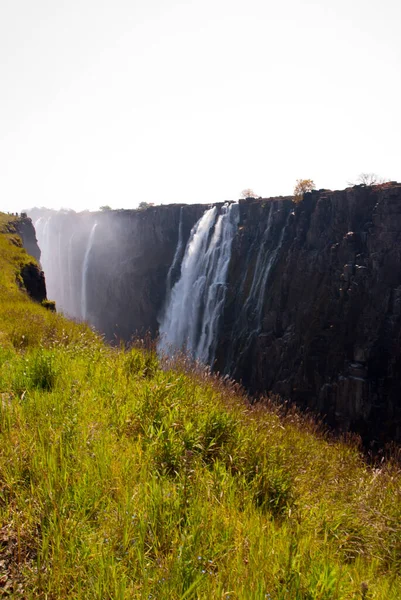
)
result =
(110, 267)
(329, 337)
(32, 276)
(132, 254)
(34, 282)
(312, 308)
(27, 232)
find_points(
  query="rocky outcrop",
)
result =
(34, 282)
(32, 276)
(27, 233)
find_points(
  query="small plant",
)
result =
(36, 371)
(302, 187)
(49, 304)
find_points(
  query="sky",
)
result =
(116, 102)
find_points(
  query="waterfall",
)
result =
(42, 229)
(196, 301)
(172, 272)
(269, 263)
(85, 265)
(71, 307)
(264, 262)
(180, 322)
(50, 233)
(249, 322)
(61, 279)
(219, 254)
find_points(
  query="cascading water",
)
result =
(261, 273)
(172, 272)
(219, 254)
(180, 320)
(84, 299)
(269, 263)
(60, 263)
(42, 228)
(64, 241)
(70, 306)
(196, 301)
(250, 318)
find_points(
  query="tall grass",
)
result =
(120, 479)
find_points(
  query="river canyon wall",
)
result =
(110, 267)
(303, 300)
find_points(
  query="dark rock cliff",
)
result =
(32, 276)
(133, 251)
(330, 336)
(34, 282)
(26, 231)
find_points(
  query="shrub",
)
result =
(302, 186)
(370, 179)
(248, 193)
(49, 304)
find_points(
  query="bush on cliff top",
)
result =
(302, 187)
(122, 480)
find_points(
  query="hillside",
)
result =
(122, 479)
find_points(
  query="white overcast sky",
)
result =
(122, 101)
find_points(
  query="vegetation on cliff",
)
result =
(119, 479)
(302, 187)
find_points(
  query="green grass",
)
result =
(120, 479)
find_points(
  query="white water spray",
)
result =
(84, 301)
(42, 229)
(218, 260)
(70, 308)
(197, 299)
(176, 260)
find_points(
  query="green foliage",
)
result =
(37, 371)
(119, 479)
(49, 304)
(144, 205)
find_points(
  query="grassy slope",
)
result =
(121, 480)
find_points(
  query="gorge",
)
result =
(303, 300)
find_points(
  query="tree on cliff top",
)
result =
(301, 187)
(248, 193)
(370, 179)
